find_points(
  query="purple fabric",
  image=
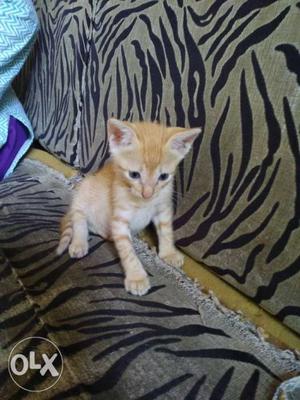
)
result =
(17, 136)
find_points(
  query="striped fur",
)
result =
(113, 204)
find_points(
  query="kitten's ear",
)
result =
(120, 135)
(182, 141)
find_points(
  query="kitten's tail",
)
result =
(66, 233)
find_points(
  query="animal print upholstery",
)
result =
(230, 67)
(114, 345)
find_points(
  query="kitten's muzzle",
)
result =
(147, 192)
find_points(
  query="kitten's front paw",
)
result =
(137, 283)
(175, 259)
(78, 249)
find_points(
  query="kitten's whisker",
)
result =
(182, 195)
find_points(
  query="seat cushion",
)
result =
(173, 343)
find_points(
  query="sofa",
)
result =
(230, 67)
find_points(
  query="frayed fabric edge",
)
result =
(69, 182)
(210, 308)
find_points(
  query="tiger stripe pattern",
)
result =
(230, 67)
(114, 345)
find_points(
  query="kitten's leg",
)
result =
(136, 278)
(164, 228)
(79, 246)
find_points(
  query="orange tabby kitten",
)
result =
(132, 189)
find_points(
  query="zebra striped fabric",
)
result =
(114, 345)
(231, 67)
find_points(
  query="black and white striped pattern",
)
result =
(114, 345)
(230, 67)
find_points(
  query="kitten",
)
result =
(132, 189)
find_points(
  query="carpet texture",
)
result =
(174, 343)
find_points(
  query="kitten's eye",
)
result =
(134, 174)
(163, 177)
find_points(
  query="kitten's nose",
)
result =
(147, 192)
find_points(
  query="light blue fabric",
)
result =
(18, 26)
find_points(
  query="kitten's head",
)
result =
(147, 154)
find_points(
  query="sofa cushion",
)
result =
(230, 67)
(115, 345)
